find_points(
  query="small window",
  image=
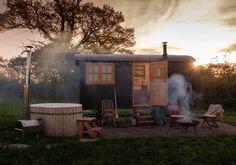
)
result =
(99, 73)
(158, 71)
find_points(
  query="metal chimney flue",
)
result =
(164, 44)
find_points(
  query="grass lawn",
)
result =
(11, 109)
(215, 150)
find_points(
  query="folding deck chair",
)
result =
(214, 113)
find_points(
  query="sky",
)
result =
(204, 29)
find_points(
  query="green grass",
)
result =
(230, 118)
(121, 112)
(217, 150)
(11, 109)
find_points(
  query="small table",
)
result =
(88, 126)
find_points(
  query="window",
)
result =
(158, 71)
(99, 73)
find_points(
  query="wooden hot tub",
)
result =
(58, 119)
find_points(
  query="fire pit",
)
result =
(185, 124)
(58, 119)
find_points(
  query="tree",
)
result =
(70, 23)
(16, 68)
(216, 78)
(3, 68)
(67, 26)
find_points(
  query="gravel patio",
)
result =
(162, 131)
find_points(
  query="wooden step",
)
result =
(145, 120)
(144, 117)
(146, 123)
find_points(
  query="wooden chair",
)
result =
(214, 113)
(108, 111)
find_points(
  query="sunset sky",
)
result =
(203, 29)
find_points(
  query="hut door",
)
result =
(141, 84)
(159, 83)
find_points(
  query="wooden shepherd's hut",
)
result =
(137, 80)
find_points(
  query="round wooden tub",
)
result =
(58, 119)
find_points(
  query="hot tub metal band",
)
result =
(44, 113)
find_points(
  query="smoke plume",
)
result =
(180, 93)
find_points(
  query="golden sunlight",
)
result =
(196, 64)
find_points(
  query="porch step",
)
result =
(145, 120)
(144, 117)
(146, 123)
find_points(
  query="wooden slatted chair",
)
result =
(108, 112)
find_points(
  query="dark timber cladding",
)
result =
(91, 94)
(131, 58)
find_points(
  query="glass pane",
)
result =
(90, 77)
(158, 73)
(154, 73)
(104, 77)
(95, 77)
(163, 73)
(104, 69)
(109, 77)
(90, 69)
(95, 69)
(109, 69)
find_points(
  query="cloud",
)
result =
(138, 12)
(227, 7)
(229, 49)
(157, 49)
(230, 22)
(148, 51)
(227, 12)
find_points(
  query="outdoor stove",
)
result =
(183, 122)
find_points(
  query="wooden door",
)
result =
(141, 84)
(159, 83)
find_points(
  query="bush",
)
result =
(218, 83)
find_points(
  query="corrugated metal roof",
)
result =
(135, 58)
